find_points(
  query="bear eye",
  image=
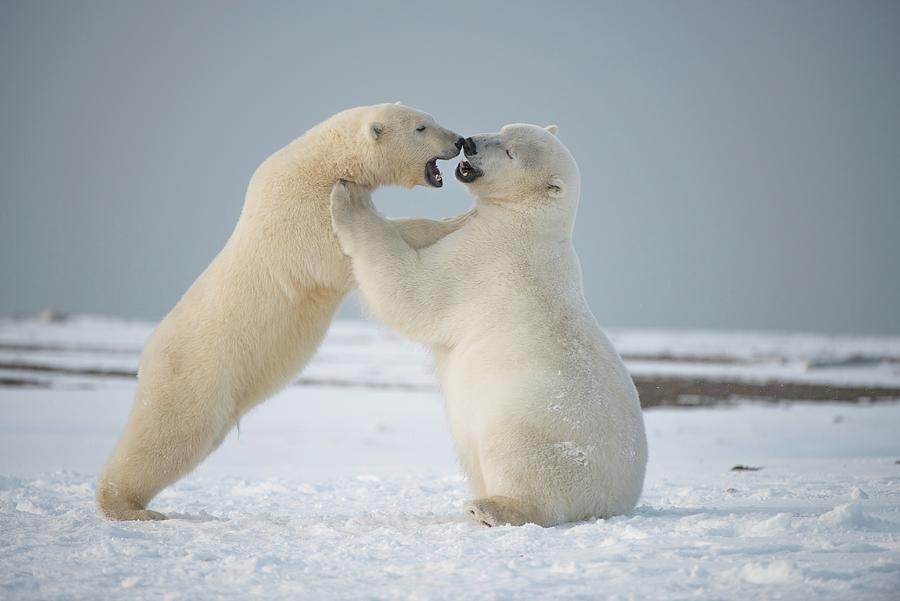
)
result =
(507, 153)
(420, 128)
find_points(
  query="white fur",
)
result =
(545, 416)
(255, 316)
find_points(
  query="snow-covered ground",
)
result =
(347, 487)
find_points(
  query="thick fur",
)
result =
(545, 416)
(253, 319)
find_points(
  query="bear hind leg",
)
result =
(157, 448)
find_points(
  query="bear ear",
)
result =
(399, 102)
(556, 187)
(552, 129)
(374, 129)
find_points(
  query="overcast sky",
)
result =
(740, 160)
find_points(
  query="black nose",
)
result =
(459, 143)
(469, 147)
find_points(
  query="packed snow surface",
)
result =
(354, 493)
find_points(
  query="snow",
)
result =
(350, 489)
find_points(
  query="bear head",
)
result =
(401, 146)
(521, 166)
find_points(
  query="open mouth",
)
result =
(467, 173)
(433, 174)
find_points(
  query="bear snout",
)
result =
(454, 150)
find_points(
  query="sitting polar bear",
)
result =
(545, 416)
(258, 312)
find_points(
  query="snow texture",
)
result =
(354, 493)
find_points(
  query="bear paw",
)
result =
(474, 512)
(497, 511)
(348, 198)
(126, 515)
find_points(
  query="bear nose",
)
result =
(469, 147)
(459, 143)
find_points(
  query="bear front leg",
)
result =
(351, 211)
(401, 287)
(351, 206)
(421, 233)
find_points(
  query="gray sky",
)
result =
(740, 160)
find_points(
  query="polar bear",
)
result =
(545, 417)
(258, 312)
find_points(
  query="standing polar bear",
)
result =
(255, 316)
(545, 417)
